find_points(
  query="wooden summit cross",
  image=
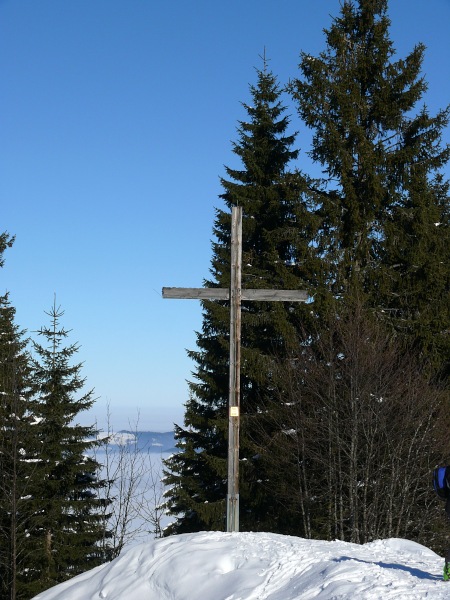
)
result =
(235, 294)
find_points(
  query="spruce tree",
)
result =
(72, 523)
(18, 447)
(277, 229)
(384, 204)
(384, 234)
(18, 451)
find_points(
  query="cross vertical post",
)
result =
(235, 371)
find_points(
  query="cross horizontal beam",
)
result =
(224, 294)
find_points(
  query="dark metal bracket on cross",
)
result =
(235, 295)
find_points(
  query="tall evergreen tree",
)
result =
(17, 447)
(384, 193)
(66, 493)
(277, 229)
(18, 450)
(384, 235)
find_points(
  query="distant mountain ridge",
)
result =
(147, 441)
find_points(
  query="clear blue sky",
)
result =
(116, 118)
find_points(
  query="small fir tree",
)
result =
(72, 524)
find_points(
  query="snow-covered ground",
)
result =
(261, 566)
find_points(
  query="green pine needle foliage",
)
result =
(384, 211)
(18, 452)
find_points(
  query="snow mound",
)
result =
(261, 566)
